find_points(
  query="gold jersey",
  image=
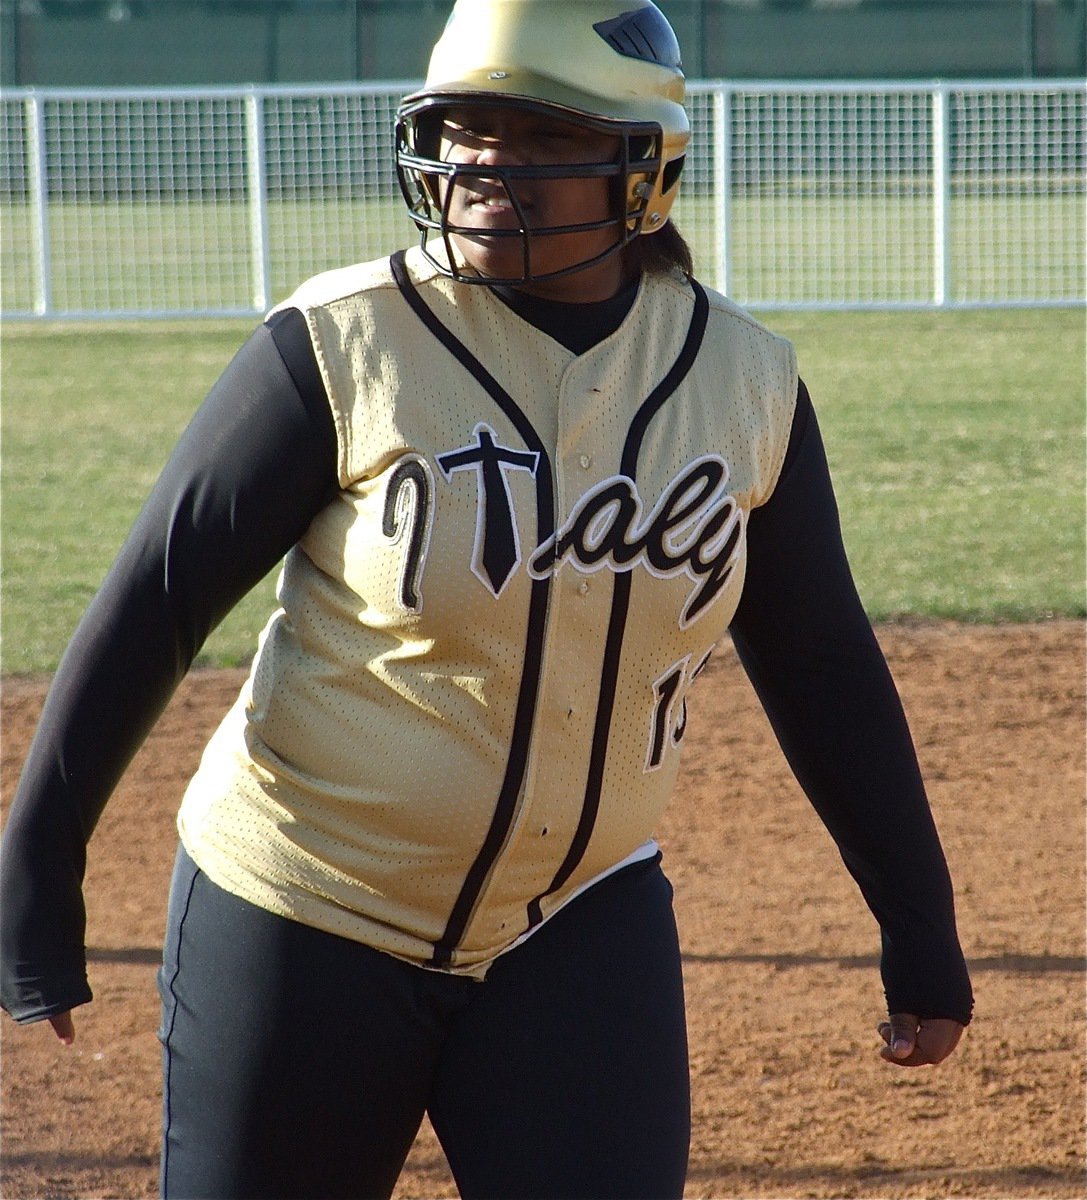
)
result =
(472, 699)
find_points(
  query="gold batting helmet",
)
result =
(611, 65)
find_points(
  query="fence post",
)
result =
(39, 203)
(257, 197)
(722, 184)
(941, 197)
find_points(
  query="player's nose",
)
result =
(500, 152)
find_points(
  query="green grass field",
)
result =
(182, 256)
(956, 441)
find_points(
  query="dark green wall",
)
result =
(113, 43)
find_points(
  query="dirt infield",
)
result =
(790, 1096)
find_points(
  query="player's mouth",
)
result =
(495, 208)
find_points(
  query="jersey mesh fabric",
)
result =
(385, 725)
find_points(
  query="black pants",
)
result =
(300, 1064)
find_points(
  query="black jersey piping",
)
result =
(525, 714)
(620, 605)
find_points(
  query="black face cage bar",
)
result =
(420, 176)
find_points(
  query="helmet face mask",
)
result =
(603, 67)
(429, 183)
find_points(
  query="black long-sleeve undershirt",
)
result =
(241, 487)
(807, 646)
(255, 466)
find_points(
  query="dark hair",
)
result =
(661, 251)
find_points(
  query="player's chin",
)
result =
(503, 257)
(496, 257)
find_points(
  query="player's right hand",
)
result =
(63, 1027)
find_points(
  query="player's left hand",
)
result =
(914, 1042)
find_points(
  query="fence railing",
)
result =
(217, 202)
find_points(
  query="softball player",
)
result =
(526, 476)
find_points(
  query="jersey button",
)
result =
(586, 461)
(583, 587)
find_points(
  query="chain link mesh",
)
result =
(220, 202)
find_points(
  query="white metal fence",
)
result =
(218, 202)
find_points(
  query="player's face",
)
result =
(510, 137)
